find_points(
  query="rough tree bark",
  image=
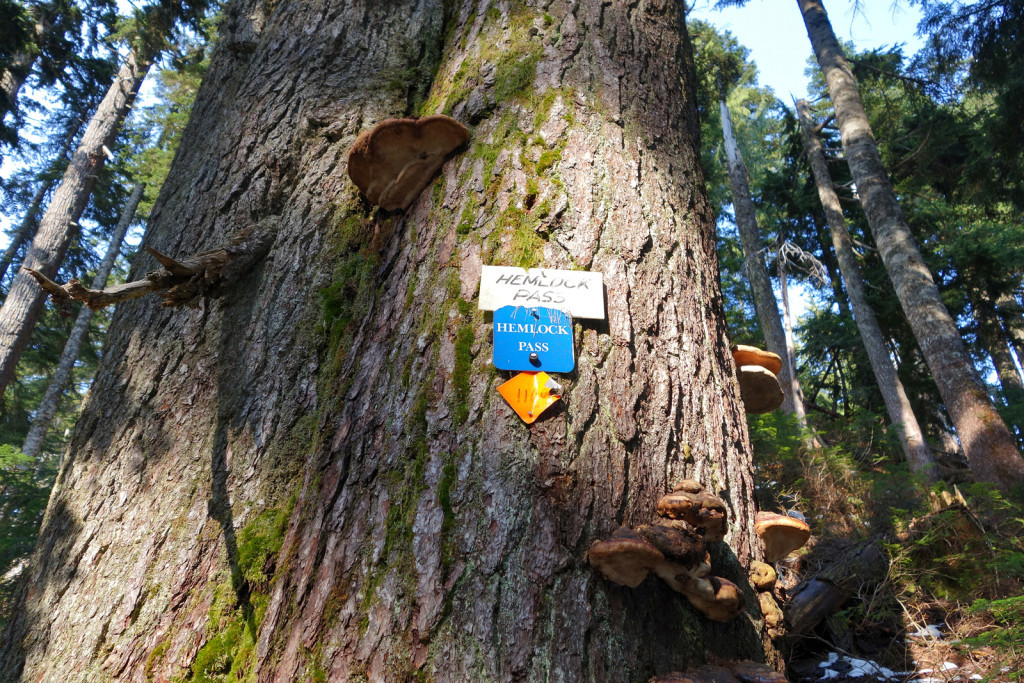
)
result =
(48, 405)
(915, 449)
(24, 302)
(760, 283)
(312, 477)
(989, 445)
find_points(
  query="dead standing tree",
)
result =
(311, 474)
(753, 261)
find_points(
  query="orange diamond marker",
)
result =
(529, 394)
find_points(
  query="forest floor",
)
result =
(950, 604)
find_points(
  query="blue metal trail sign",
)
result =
(533, 339)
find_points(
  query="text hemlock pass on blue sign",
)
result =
(530, 339)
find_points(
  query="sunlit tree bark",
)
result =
(311, 476)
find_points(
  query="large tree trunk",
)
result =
(989, 445)
(901, 415)
(25, 300)
(51, 399)
(30, 222)
(760, 284)
(312, 475)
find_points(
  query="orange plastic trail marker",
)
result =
(529, 394)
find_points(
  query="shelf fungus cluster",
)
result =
(673, 548)
(759, 382)
(744, 671)
(393, 162)
(780, 534)
(763, 578)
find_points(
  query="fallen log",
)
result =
(864, 565)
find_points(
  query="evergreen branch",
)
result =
(892, 74)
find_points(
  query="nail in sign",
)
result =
(530, 394)
(577, 292)
(532, 339)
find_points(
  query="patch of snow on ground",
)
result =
(851, 667)
(929, 631)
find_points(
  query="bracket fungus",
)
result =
(762, 576)
(759, 389)
(625, 558)
(689, 486)
(781, 534)
(677, 542)
(687, 563)
(753, 672)
(703, 511)
(727, 603)
(392, 163)
(744, 671)
(691, 581)
(770, 610)
(705, 674)
(751, 355)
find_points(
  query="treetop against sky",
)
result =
(775, 35)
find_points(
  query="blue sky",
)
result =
(775, 35)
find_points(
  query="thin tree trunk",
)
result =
(27, 228)
(995, 340)
(312, 476)
(31, 220)
(901, 415)
(25, 299)
(1012, 317)
(48, 406)
(810, 439)
(989, 445)
(760, 284)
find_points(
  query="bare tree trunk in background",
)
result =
(901, 415)
(1011, 315)
(27, 228)
(31, 220)
(25, 300)
(51, 399)
(760, 284)
(810, 439)
(989, 445)
(312, 476)
(996, 341)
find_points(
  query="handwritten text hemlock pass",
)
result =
(579, 293)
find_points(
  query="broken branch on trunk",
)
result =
(179, 283)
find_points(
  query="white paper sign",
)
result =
(579, 293)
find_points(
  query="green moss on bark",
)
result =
(464, 340)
